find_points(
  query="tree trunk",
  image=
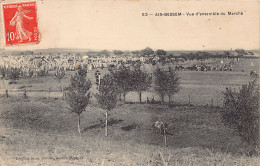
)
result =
(165, 138)
(162, 98)
(140, 97)
(79, 125)
(45, 81)
(124, 94)
(106, 123)
(120, 97)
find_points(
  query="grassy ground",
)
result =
(202, 87)
(195, 136)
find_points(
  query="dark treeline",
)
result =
(148, 52)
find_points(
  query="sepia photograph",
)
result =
(129, 82)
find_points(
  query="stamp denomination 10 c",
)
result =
(20, 23)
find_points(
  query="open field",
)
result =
(202, 87)
(40, 130)
(195, 135)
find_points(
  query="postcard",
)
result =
(129, 82)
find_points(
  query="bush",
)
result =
(3, 72)
(14, 74)
(241, 113)
(43, 73)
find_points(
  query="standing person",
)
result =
(147, 100)
(17, 21)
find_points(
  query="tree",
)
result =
(141, 81)
(173, 83)
(118, 52)
(241, 113)
(160, 82)
(3, 72)
(107, 97)
(122, 77)
(60, 74)
(166, 82)
(162, 55)
(79, 95)
(43, 73)
(14, 73)
(104, 53)
(136, 52)
(240, 52)
(147, 51)
(160, 52)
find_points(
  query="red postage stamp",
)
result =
(20, 23)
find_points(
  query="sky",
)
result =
(114, 24)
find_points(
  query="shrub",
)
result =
(3, 72)
(14, 74)
(43, 73)
(241, 113)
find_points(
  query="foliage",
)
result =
(172, 83)
(14, 73)
(136, 52)
(3, 72)
(42, 73)
(240, 52)
(108, 91)
(107, 97)
(160, 82)
(79, 95)
(166, 82)
(147, 51)
(104, 53)
(141, 81)
(160, 52)
(122, 77)
(241, 112)
(118, 52)
(60, 74)
(206, 55)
